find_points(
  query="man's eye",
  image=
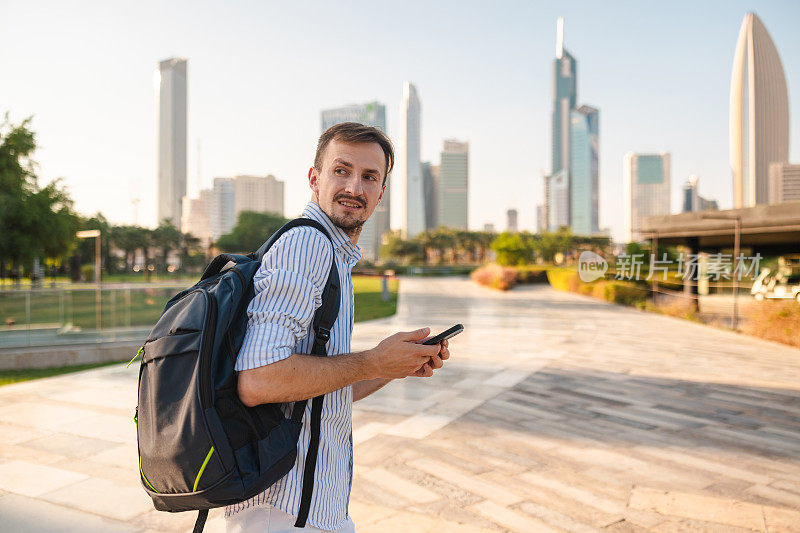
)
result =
(371, 177)
(340, 171)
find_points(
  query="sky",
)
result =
(260, 72)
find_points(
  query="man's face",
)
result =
(349, 185)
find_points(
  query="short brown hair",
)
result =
(353, 132)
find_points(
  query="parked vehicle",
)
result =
(782, 284)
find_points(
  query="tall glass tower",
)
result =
(583, 169)
(452, 204)
(759, 113)
(565, 94)
(172, 111)
(413, 188)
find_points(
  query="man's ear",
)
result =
(313, 179)
(383, 189)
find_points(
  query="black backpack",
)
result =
(199, 446)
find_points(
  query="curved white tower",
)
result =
(410, 164)
(759, 124)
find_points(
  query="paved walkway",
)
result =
(556, 412)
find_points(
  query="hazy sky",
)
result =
(260, 72)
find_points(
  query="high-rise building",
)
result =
(692, 201)
(259, 194)
(759, 122)
(558, 204)
(584, 171)
(571, 199)
(172, 112)
(647, 190)
(565, 95)
(488, 227)
(223, 216)
(410, 167)
(370, 114)
(784, 183)
(541, 219)
(511, 221)
(430, 179)
(196, 216)
(230, 196)
(454, 185)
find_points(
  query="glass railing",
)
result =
(84, 314)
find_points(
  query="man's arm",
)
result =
(362, 389)
(300, 376)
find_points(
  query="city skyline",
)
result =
(257, 111)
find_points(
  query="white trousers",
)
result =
(269, 519)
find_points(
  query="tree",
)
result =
(35, 222)
(251, 231)
(407, 251)
(512, 250)
(166, 237)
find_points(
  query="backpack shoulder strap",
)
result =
(323, 321)
(258, 255)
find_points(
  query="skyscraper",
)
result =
(692, 201)
(759, 124)
(454, 185)
(571, 194)
(223, 217)
(511, 221)
(647, 190)
(784, 183)
(583, 169)
(259, 194)
(430, 179)
(410, 164)
(172, 111)
(370, 114)
(565, 94)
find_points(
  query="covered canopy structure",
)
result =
(768, 229)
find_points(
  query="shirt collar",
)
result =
(338, 236)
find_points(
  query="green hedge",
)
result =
(619, 292)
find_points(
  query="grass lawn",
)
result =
(14, 376)
(369, 305)
(145, 308)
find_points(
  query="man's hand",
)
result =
(436, 362)
(401, 355)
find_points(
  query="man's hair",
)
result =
(353, 132)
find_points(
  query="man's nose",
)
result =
(353, 185)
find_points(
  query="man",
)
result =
(348, 180)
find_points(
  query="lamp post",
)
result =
(737, 230)
(98, 299)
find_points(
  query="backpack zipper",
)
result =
(205, 352)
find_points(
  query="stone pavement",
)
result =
(557, 412)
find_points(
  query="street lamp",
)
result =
(98, 305)
(737, 229)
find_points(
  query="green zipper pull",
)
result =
(140, 352)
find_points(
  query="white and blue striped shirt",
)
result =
(288, 290)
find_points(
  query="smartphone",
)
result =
(446, 334)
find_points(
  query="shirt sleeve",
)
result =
(288, 290)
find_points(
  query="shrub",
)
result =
(531, 274)
(87, 272)
(563, 279)
(495, 276)
(775, 321)
(625, 293)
